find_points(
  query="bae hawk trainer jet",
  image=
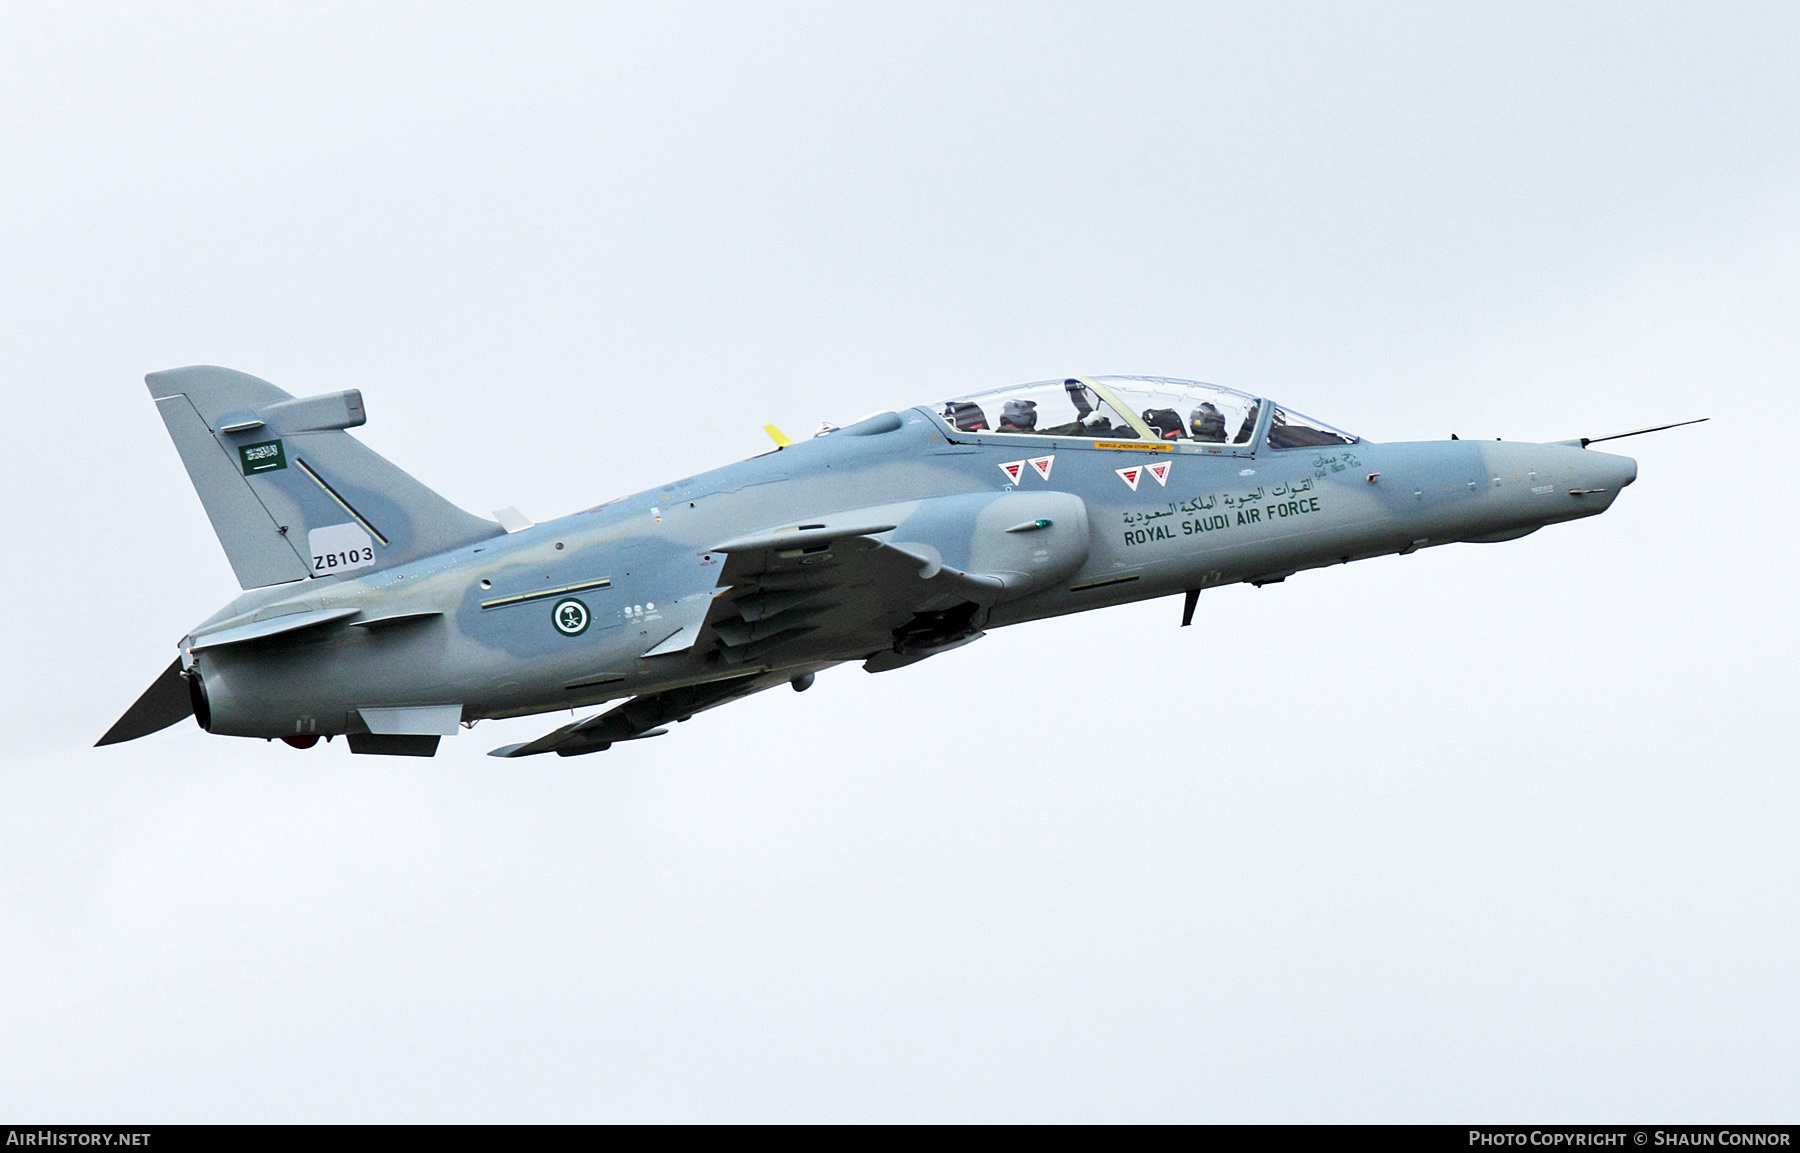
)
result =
(375, 609)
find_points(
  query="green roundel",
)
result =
(570, 616)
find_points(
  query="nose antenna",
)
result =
(1587, 440)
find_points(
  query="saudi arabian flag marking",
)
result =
(266, 456)
(570, 617)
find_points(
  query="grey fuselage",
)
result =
(472, 626)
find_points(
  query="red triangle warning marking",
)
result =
(1013, 469)
(1160, 470)
(1130, 475)
(1042, 465)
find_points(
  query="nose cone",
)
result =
(1610, 472)
(1567, 481)
(1595, 480)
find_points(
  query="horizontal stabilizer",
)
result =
(405, 617)
(273, 627)
(163, 703)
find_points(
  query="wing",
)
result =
(643, 716)
(871, 585)
(784, 601)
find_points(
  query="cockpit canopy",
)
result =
(1118, 408)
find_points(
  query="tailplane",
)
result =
(289, 492)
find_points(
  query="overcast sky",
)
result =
(1492, 832)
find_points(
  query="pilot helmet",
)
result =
(1206, 420)
(1019, 414)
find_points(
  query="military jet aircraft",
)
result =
(376, 610)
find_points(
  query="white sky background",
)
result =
(1488, 832)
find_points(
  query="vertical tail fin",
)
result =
(289, 492)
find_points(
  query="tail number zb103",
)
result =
(339, 548)
(337, 560)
